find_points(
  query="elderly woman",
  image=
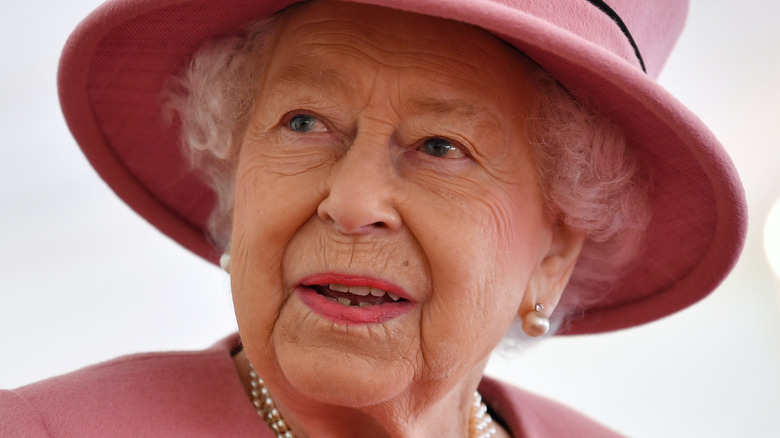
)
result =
(393, 188)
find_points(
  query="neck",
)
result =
(413, 413)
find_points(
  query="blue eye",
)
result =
(303, 123)
(439, 147)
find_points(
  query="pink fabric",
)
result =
(199, 394)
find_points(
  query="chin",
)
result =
(349, 365)
(335, 379)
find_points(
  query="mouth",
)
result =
(347, 299)
(356, 296)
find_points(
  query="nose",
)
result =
(361, 197)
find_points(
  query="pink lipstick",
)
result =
(347, 299)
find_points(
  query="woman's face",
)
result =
(387, 215)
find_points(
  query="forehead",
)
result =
(320, 42)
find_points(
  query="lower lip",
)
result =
(344, 315)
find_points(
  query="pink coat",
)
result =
(199, 394)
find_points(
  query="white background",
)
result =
(83, 279)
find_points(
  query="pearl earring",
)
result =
(536, 323)
(224, 261)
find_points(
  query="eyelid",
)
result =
(288, 116)
(464, 151)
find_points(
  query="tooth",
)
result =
(330, 298)
(338, 287)
(364, 304)
(344, 301)
(393, 296)
(377, 292)
(360, 290)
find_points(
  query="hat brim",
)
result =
(118, 59)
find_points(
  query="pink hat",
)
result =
(117, 60)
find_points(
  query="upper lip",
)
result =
(325, 279)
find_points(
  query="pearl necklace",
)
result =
(480, 421)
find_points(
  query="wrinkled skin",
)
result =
(390, 146)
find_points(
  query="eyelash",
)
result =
(288, 119)
(452, 146)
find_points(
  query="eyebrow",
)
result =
(328, 79)
(463, 109)
(437, 105)
(323, 78)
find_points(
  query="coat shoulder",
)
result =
(18, 417)
(195, 393)
(531, 415)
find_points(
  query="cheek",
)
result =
(489, 231)
(274, 195)
(269, 209)
(483, 247)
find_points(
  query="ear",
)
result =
(552, 274)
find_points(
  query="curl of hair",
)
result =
(213, 98)
(591, 182)
(589, 177)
